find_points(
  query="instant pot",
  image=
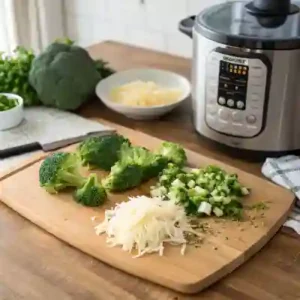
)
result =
(246, 74)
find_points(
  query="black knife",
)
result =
(20, 150)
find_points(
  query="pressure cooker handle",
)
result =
(186, 26)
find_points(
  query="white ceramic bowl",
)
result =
(160, 77)
(12, 117)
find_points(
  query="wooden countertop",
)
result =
(35, 265)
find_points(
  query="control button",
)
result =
(224, 114)
(230, 103)
(237, 117)
(222, 100)
(236, 88)
(251, 119)
(212, 109)
(240, 104)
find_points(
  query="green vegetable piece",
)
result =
(64, 76)
(213, 169)
(4, 100)
(65, 41)
(258, 206)
(234, 210)
(15, 90)
(197, 197)
(103, 69)
(101, 152)
(150, 163)
(173, 152)
(178, 195)
(7, 103)
(14, 72)
(3, 107)
(169, 174)
(92, 193)
(60, 171)
(123, 177)
(158, 191)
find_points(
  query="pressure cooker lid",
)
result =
(255, 25)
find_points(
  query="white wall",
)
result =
(147, 23)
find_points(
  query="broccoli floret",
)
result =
(64, 76)
(59, 171)
(155, 166)
(123, 177)
(150, 163)
(101, 152)
(173, 152)
(92, 193)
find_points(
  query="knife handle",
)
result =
(19, 150)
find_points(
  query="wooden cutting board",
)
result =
(227, 244)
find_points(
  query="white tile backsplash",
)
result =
(179, 44)
(196, 6)
(163, 15)
(127, 12)
(148, 23)
(86, 8)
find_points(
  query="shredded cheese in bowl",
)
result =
(146, 94)
(145, 224)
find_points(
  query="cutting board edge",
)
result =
(24, 165)
(193, 287)
(185, 288)
(252, 251)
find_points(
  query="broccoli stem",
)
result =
(91, 181)
(74, 180)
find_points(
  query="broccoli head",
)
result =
(123, 177)
(92, 193)
(64, 76)
(150, 163)
(101, 152)
(173, 152)
(59, 171)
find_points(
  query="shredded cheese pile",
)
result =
(144, 224)
(140, 93)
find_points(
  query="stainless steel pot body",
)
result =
(280, 112)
